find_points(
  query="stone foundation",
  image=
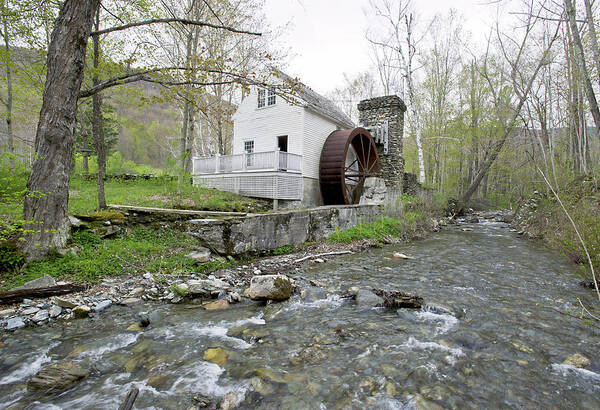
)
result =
(266, 232)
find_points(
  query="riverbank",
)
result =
(150, 264)
(542, 217)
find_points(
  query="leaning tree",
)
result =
(46, 204)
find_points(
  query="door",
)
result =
(282, 145)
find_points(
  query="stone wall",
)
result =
(266, 232)
(412, 187)
(374, 112)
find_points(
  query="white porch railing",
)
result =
(256, 161)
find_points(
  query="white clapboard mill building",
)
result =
(276, 146)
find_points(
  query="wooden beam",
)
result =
(16, 296)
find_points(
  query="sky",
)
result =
(326, 38)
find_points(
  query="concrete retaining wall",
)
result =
(260, 233)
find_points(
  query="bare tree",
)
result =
(399, 36)
(589, 90)
(521, 80)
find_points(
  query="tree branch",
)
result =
(172, 20)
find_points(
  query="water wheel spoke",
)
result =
(349, 167)
(361, 158)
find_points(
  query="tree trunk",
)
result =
(589, 90)
(47, 204)
(593, 35)
(98, 120)
(414, 114)
(86, 165)
(185, 127)
(9, 89)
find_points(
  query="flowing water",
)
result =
(492, 341)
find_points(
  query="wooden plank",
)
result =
(16, 296)
(174, 211)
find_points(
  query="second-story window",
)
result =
(271, 97)
(261, 98)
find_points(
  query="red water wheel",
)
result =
(347, 159)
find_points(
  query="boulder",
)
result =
(64, 303)
(270, 287)
(58, 376)
(577, 360)
(181, 289)
(76, 222)
(206, 287)
(43, 282)
(220, 304)
(217, 355)
(200, 255)
(81, 311)
(14, 324)
(365, 297)
(71, 251)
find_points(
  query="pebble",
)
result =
(130, 301)
(319, 260)
(148, 276)
(64, 303)
(15, 323)
(102, 305)
(55, 311)
(7, 312)
(143, 319)
(257, 271)
(30, 311)
(41, 316)
(234, 297)
(137, 292)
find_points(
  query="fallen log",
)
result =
(397, 299)
(130, 399)
(16, 296)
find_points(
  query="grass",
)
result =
(159, 192)
(416, 216)
(142, 250)
(382, 230)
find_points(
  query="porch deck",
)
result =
(271, 174)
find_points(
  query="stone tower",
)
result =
(374, 112)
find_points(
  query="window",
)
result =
(261, 98)
(271, 98)
(249, 150)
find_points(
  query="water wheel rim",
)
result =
(342, 182)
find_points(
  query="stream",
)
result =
(486, 339)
